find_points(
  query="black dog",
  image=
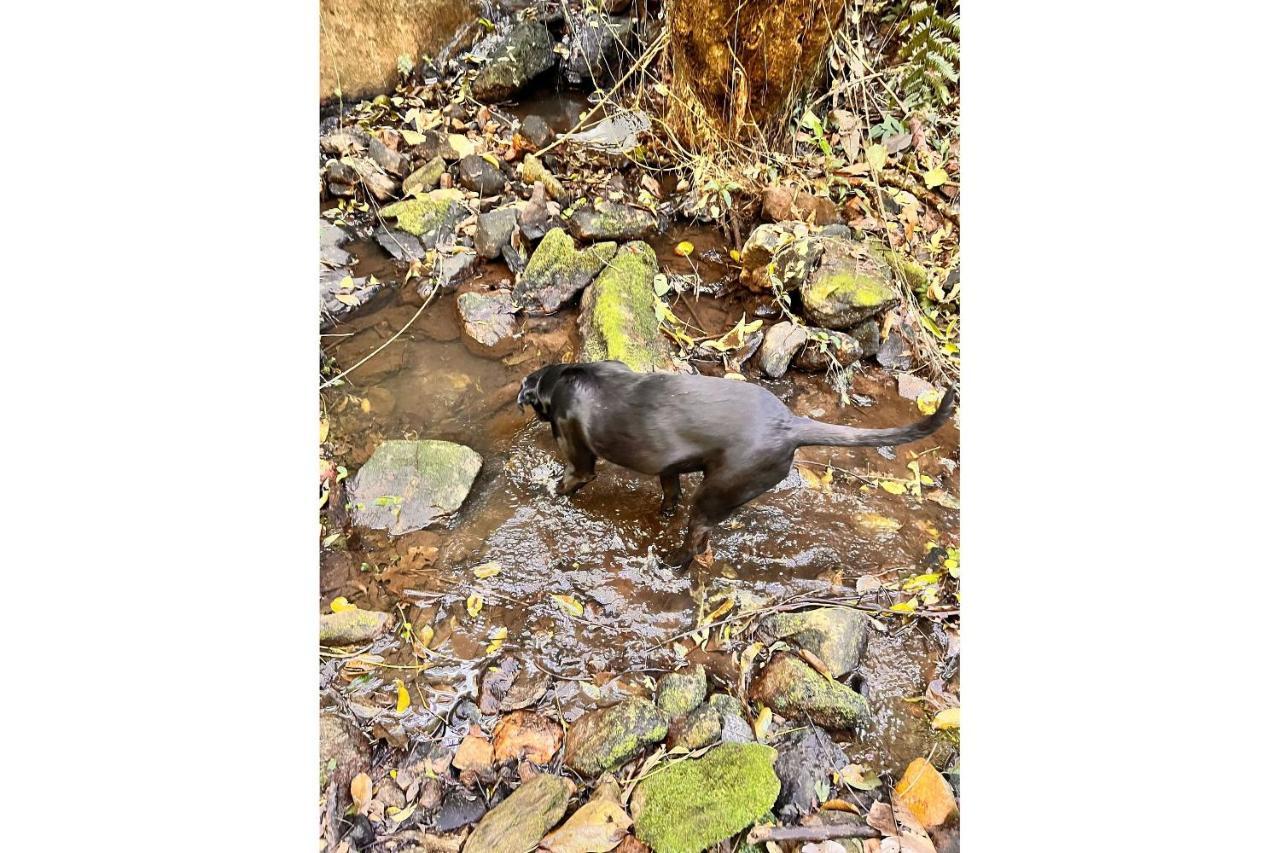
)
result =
(741, 436)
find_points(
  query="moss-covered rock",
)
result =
(779, 257)
(557, 271)
(619, 319)
(425, 177)
(406, 485)
(792, 688)
(514, 59)
(518, 823)
(609, 737)
(427, 216)
(611, 220)
(837, 635)
(701, 728)
(690, 805)
(680, 692)
(916, 276)
(352, 626)
(851, 284)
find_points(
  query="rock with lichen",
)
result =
(825, 347)
(781, 342)
(618, 318)
(512, 60)
(351, 626)
(407, 485)
(517, 823)
(778, 257)
(691, 805)
(427, 217)
(611, 220)
(851, 284)
(607, 738)
(557, 271)
(679, 693)
(792, 688)
(425, 177)
(700, 728)
(836, 635)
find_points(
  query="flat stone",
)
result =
(517, 824)
(837, 635)
(557, 271)
(795, 690)
(331, 240)
(781, 342)
(489, 318)
(343, 296)
(352, 627)
(493, 231)
(611, 220)
(407, 485)
(607, 738)
(391, 162)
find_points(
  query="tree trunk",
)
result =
(739, 66)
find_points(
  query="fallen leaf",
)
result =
(684, 248)
(947, 719)
(340, 604)
(402, 697)
(893, 487)
(486, 570)
(858, 776)
(496, 640)
(361, 791)
(475, 603)
(935, 177)
(761, 725)
(928, 402)
(412, 137)
(426, 634)
(569, 604)
(877, 523)
(474, 753)
(839, 806)
(877, 156)
(867, 583)
(401, 815)
(908, 606)
(324, 429)
(596, 827)
(926, 794)
(817, 663)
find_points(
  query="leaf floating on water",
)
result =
(859, 777)
(361, 791)
(496, 640)
(719, 611)
(761, 725)
(943, 499)
(426, 634)
(402, 697)
(893, 487)
(947, 719)
(340, 604)
(877, 523)
(569, 604)
(684, 248)
(475, 603)
(486, 570)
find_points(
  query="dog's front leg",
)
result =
(580, 462)
(670, 493)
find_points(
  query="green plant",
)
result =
(930, 55)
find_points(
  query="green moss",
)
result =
(558, 269)
(692, 804)
(917, 277)
(421, 214)
(863, 291)
(605, 739)
(681, 692)
(792, 688)
(621, 318)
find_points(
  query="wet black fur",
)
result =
(739, 435)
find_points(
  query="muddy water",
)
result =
(596, 546)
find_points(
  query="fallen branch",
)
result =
(811, 833)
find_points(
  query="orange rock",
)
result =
(474, 753)
(923, 790)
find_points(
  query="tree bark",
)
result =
(739, 66)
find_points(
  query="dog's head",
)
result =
(536, 390)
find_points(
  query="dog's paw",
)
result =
(668, 511)
(678, 560)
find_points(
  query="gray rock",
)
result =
(779, 257)
(782, 341)
(392, 162)
(535, 217)
(435, 144)
(343, 296)
(725, 705)
(611, 220)
(806, 759)
(352, 626)
(913, 387)
(425, 177)
(407, 485)
(557, 271)
(514, 58)
(595, 41)
(344, 141)
(460, 808)
(478, 174)
(517, 823)
(680, 692)
(453, 268)
(433, 218)
(826, 345)
(734, 729)
(487, 318)
(536, 130)
(401, 245)
(493, 231)
(331, 240)
(837, 635)
(370, 176)
(344, 752)
(895, 353)
(607, 738)
(340, 179)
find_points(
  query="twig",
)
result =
(811, 833)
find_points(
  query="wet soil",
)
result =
(596, 545)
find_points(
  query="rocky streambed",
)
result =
(501, 668)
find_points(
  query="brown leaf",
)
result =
(361, 791)
(926, 794)
(526, 735)
(596, 827)
(474, 753)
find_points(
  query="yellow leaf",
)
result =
(735, 254)
(486, 570)
(361, 791)
(413, 137)
(928, 402)
(569, 604)
(365, 405)
(403, 814)
(737, 376)
(905, 606)
(761, 725)
(402, 697)
(877, 156)
(324, 429)
(877, 523)
(935, 177)
(426, 634)
(475, 603)
(719, 611)
(684, 248)
(893, 487)
(920, 581)
(340, 604)
(496, 641)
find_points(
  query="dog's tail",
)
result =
(810, 432)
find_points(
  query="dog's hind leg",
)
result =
(580, 462)
(670, 492)
(724, 489)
